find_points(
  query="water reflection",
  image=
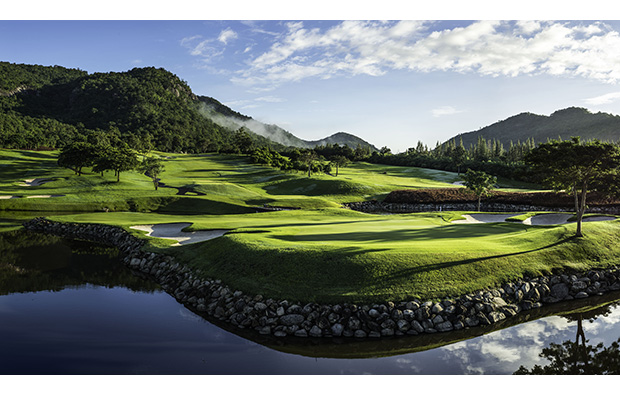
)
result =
(72, 308)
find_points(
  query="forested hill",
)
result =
(225, 116)
(564, 124)
(144, 107)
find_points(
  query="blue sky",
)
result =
(391, 83)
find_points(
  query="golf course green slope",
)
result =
(319, 252)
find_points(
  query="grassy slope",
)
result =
(320, 253)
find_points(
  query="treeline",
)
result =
(328, 158)
(103, 156)
(489, 156)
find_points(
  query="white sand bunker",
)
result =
(35, 182)
(29, 197)
(548, 219)
(174, 232)
(540, 219)
(483, 218)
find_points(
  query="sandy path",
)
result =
(174, 232)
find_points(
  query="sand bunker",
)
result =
(35, 182)
(29, 197)
(174, 232)
(548, 219)
(540, 219)
(483, 218)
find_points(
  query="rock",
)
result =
(360, 333)
(292, 319)
(437, 308)
(496, 316)
(403, 325)
(578, 286)
(444, 326)
(416, 326)
(337, 330)
(260, 306)
(559, 291)
(316, 331)
(387, 332)
(581, 295)
(354, 324)
(279, 334)
(372, 313)
(280, 311)
(437, 320)
(266, 330)
(374, 334)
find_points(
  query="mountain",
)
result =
(566, 123)
(144, 107)
(225, 116)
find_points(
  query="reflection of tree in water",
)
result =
(579, 357)
(31, 262)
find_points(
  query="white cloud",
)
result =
(226, 35)
(270, 99)
(486, 48)
(445, 110)
(603, 99)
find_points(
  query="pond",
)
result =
(70, 307)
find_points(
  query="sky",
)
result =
(393, 80)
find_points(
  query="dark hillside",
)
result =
(566, 123)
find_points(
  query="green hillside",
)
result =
(147, 108)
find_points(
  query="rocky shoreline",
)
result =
(282, 318)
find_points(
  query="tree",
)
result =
(120, 160)
(339, 161)
(152, 167)
(478, 182)
(308, 158)
(76, 156)
(577, 167)
(458, 156)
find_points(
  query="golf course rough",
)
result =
(284, 318)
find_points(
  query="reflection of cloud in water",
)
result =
(408, 364)
(189, 315)
(501, 352)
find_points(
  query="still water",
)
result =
(70, 307)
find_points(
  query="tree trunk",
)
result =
(581, 209)
(336, 170)
(479, 197)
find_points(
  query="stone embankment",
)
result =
(381, 207)
(283, 318)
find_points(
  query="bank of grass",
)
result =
(334, 255)
(320, 252)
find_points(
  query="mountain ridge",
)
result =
(52, 105)
(564, 123)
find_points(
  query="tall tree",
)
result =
(339, 161)
(478, 182)
(577, 167)
(152, 167)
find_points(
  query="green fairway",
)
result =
(337, 255)
(319, 252)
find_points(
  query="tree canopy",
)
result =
(478, 182)
(577, 167)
